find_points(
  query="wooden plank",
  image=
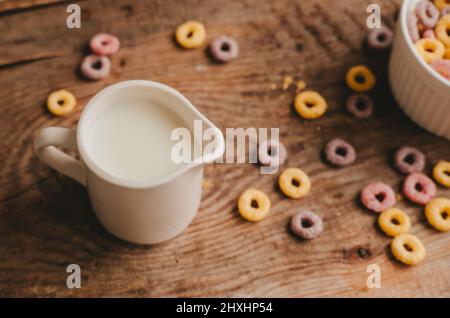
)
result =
(11, 5)
(47, 222)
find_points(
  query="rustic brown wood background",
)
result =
(46, 221)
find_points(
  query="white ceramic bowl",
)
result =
(421, 92)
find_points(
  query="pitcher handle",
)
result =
(44, 146)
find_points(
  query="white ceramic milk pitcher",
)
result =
(133, 210)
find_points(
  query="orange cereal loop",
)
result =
(441, 173)
(394, 222)
(190, 34)
(442, 30)
(310, 104)
(360, 79)
(430, 49)
(437, 212)
(253, 205)
(441, 4)
(408, 249)
(294, 183)
(61, 102)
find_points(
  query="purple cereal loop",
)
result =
(360, 106)
(442, 67)
(419, 188)
(96, 67)
(306, 224)
(378, 197)
(104, 44)
(339, 152)
(409, 159)
(224, 49)
(413, 30)
(272, 153)
(380, 38)
(427, 14)
(428, 34)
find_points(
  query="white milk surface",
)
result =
(132, 140)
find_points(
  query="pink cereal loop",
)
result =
(104, 44)
(413, 29)
(419, 188)
(429, 34)
(95, 67)
(378, 197)
(442, 67)
(277, 156)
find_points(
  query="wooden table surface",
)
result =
(46, 221)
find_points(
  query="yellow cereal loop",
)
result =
(61, 102)
(360, 79)
(430, 49)
(394, 222)
(253, 205)
(437, 212)
(408, 249)
(441, 173)
(310, 104)
(441, 4)
(442, 30)
(294, 183)
(190, 34)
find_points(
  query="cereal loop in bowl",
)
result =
(394, 222)
(441, 173)
(224, 49)
(380, 38)
(360, 106)
(408, 249)
(429, 34)
(271, 153)
(430, 49)
(437, 212)
(307, 225)
(413, 30)
(418, 188)
(427, 13)
(441, 4)
(378, 197)
(360, 79)
(442, 67)
(443, 30)
(294, 183)
(253, 205)
(61, 102)
(339, 152)
(104, 44)
(96, 67)
(190, 34)
(409, 159)
(310, 104)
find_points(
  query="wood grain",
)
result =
(46, 221)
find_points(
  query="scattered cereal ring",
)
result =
(307, 225)
(360, 79)
(419, 188)
(378, 196)
(441, 4)
(430, 49)
(408, 249)
(96, 67)
(104, 44)
(380, 38)
(253, 205)
(437, 213)
(427, 13)
(442, 67)
(61, 102)
(409, 159)
(190, 34)
(394, 222)
(310, 105)
(272, 153)
(413, 30)
(441, 173)
(224, 49)
(294, 183)
(360, 106)
(429, 34)
(442, 30)
(339, 152)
